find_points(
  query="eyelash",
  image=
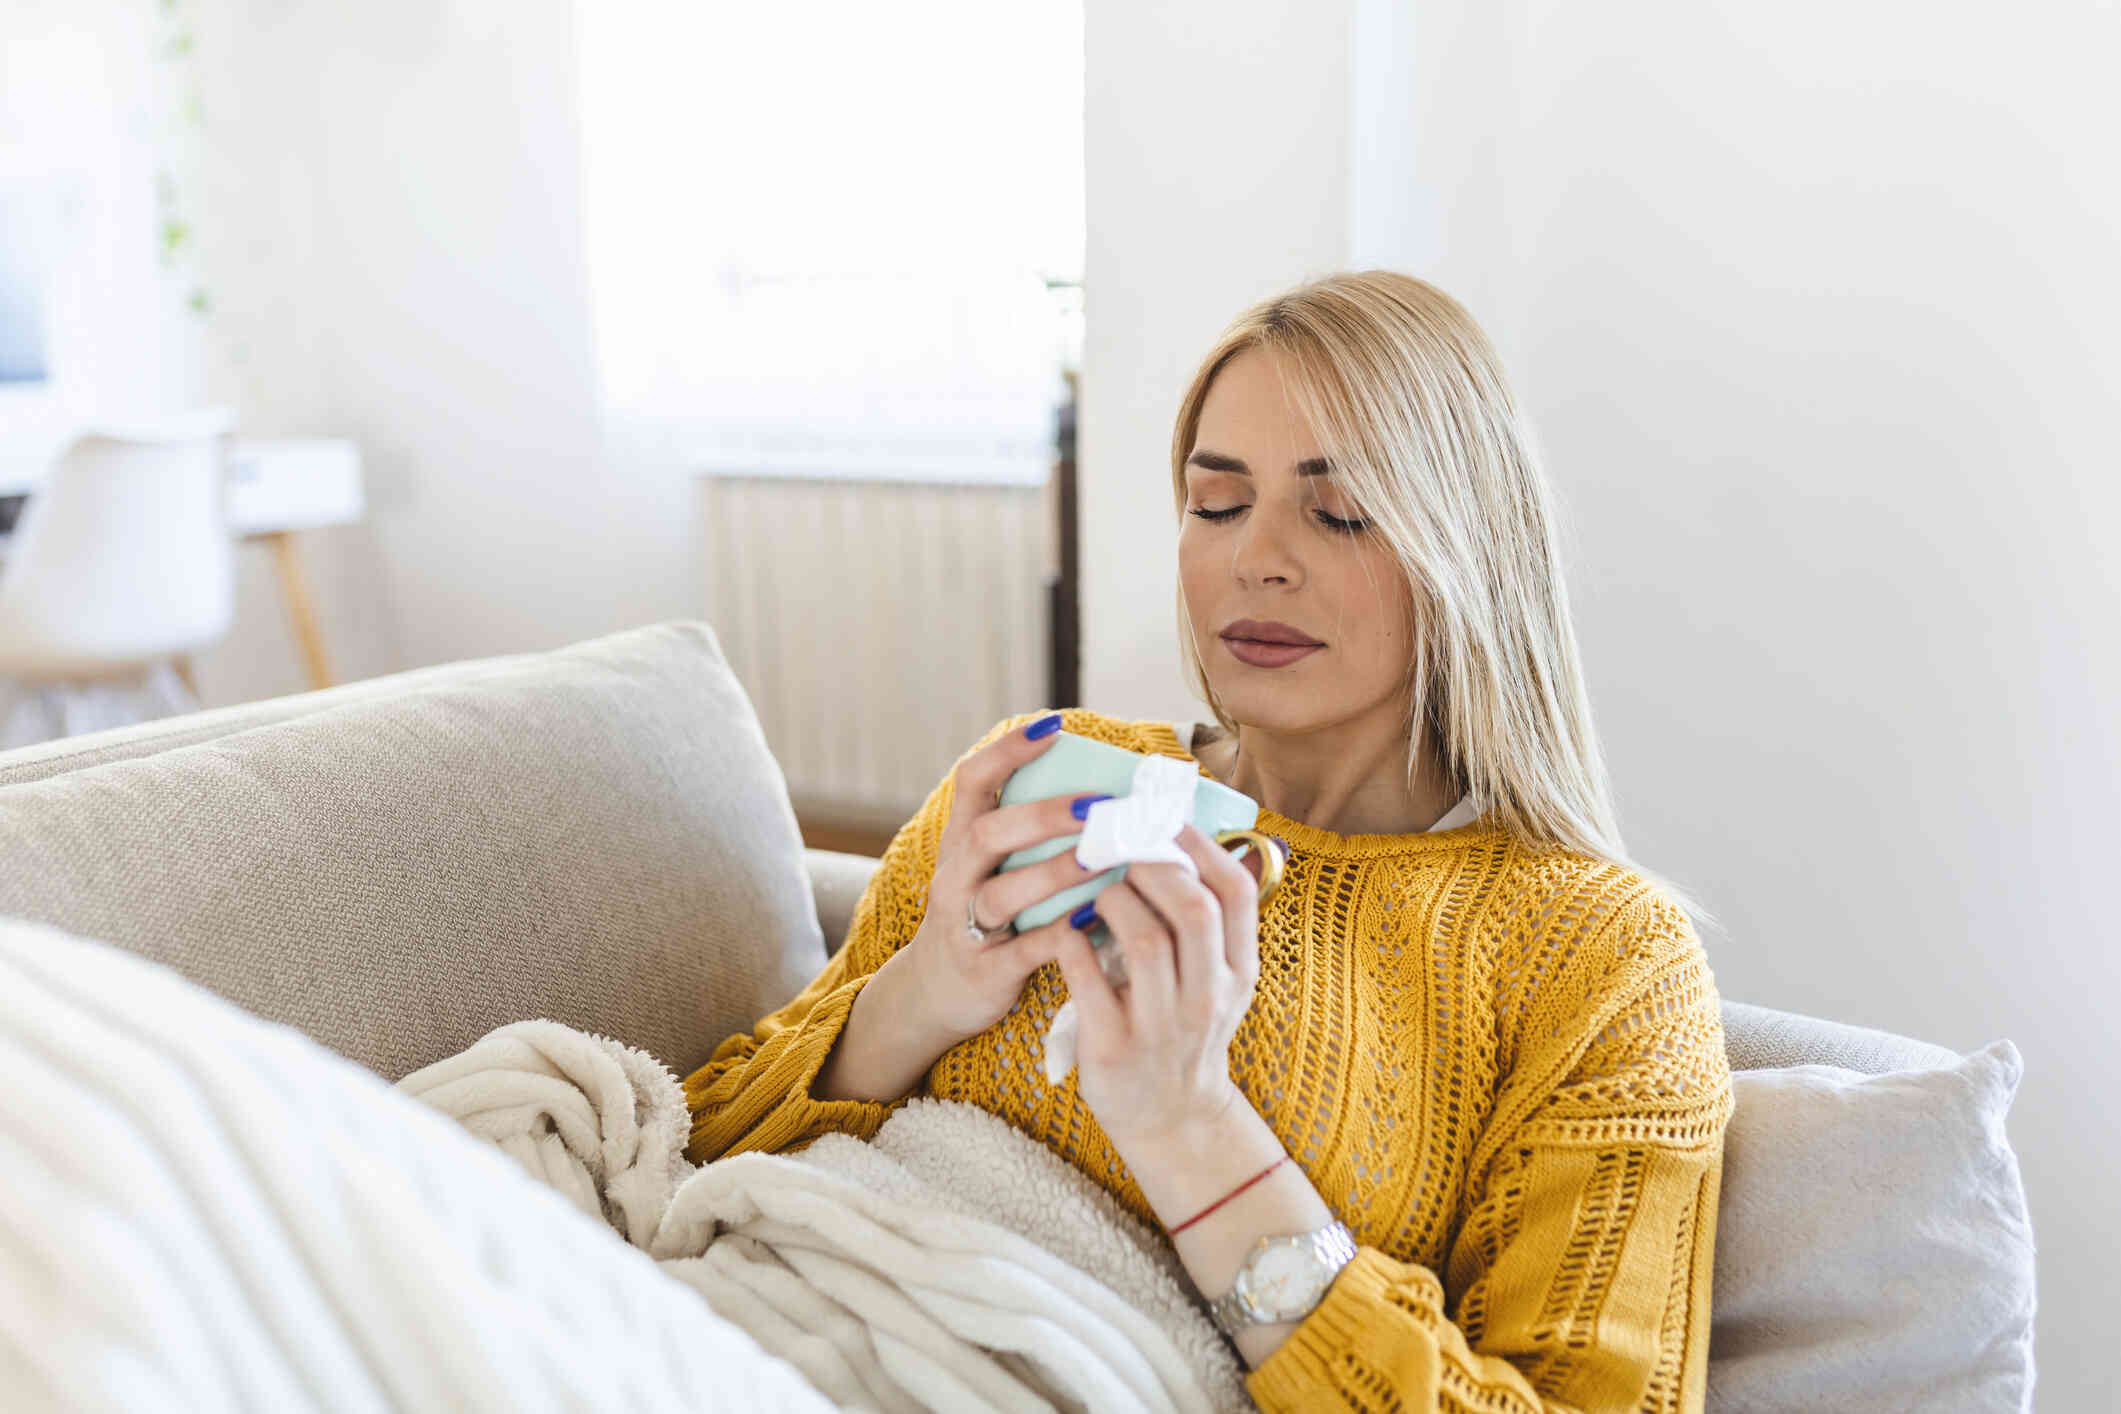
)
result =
(1330, 522)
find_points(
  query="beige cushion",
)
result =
(597, 835)
(59, 755)
(1873, 1248)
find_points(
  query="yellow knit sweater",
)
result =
(1503, 1069)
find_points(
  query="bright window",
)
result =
(835, 238)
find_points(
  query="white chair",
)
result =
(122, 563)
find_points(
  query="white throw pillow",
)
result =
(1873, 1250)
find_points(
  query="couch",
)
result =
(599, 835)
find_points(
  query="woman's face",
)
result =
(1257, 543)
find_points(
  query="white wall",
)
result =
(1814, 308)
(84, 128)
(1216, 171)
(410, 275)
(88, 116)
(388, 234)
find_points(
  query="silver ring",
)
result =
(973, 931)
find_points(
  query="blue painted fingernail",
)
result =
(1044, 726)
(1081, 809)
(1083, 917)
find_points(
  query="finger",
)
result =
(977, 779)
(1193, 916)
(1236, 890)
(1008, 894)
(977, 856)
(1021, 954)
(1000, 833)
(1152, 966)
(1097, 1004)
(1008, 828)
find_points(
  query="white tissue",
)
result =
(1139, 827)
(1143, 824)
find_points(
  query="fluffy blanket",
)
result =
(949, 1263)
(203, 1210)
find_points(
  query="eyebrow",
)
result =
(1222, 461)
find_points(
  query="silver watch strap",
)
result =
(1330, 1247)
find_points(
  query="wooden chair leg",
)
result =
(301, 613)
(191, 684)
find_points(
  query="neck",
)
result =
(1350, 778)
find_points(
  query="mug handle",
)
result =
(1272, 853)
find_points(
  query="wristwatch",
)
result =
(1283, 1278)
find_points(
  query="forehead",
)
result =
(1248, 414)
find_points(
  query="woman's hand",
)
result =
(963, 986)
(1155, 1055)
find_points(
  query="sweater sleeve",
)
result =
(1580, 1274)
(755, 1091)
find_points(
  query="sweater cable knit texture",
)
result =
(1502, 1067)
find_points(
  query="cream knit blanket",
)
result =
(950, 1263)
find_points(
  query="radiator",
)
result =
(879, 627)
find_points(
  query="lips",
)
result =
(1270, 631)
(1269, 655)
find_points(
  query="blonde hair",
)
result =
(1407, 400)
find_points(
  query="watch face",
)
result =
(1285, 1282)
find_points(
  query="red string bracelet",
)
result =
(1228, 1196)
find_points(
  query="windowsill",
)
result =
(960, 453)
(928, 470)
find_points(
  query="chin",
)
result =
(1269, 709)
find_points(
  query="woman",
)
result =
(1467, 1049)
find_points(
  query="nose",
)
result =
(1263, 551)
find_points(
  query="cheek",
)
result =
(1193, 573)
(1373, 582)
(1379, 586)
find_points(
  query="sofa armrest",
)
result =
(1762, 1038)
(836, 883)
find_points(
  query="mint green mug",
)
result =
(1080, 765)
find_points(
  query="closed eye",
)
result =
(1331, 522)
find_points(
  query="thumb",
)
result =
(1095, 998)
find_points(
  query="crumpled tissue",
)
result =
(1139, 827)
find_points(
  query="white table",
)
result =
(274, 489)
